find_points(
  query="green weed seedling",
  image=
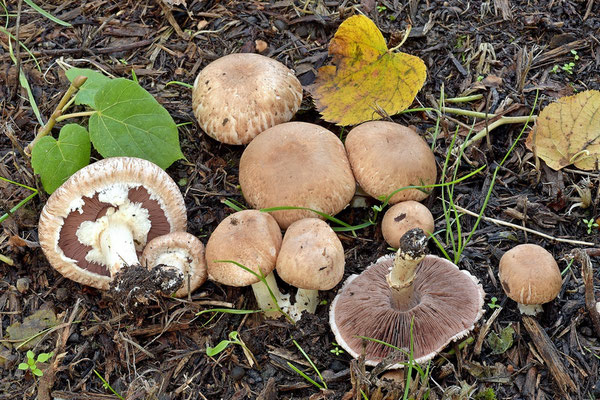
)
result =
(107, 386)
(336, 349)
(590, 224)
(124, 120)
(223, 344)
(323, 384)
(492, 304)
(31, 362)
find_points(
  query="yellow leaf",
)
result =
(366, 77)
(568, 132)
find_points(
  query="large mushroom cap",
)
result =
(141, 191)
(447, 303)
(238, 96)
(178, 249)
(529, 274)
(251, 238)
(386, 156)
(296, 164)
(311, 255)
(404, 216)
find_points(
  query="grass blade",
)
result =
(47, 14)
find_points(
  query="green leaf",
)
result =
(43, 357)
(213, 351)
(500, 343)
(87, 91)
(23, 366)
(130, 122)
(56, 160)
(37, 372)
(30, 355)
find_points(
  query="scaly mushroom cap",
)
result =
(402, 217)
(178, 249)
(296, 164)
(311, 256)
(529, 274)
(251, 238)
(238, 96)
(145, 195)
(447, 303)
(386, 156)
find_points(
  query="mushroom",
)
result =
(402, 217)
(300, 165)
(103, 215)
(311, 258)
(410, 300)
(386, 156)
(252, 239)
(238, 96)
(530, 276)
(182, 254)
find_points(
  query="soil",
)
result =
(512, 53)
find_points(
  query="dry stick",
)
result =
(504, 223)
(6, 260)
(484, 331)
(587, 274)
(46, 129)
(548, 351)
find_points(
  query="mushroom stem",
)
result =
(118, 247)
(306, 300)
(264, 299)
(530, 309)
(409, 255)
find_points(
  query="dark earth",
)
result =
(511, 53)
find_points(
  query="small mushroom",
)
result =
(402, 217)
(409, 299)
(252, 239)
(182, 254)
(101, 218)
(386, 156)
(238, 96)
(311, 258)
(300, 165)
(530, 276)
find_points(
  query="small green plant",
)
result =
(107, 386)
(223, 344)
(492, 304)
(31, 362)
(336, 349)
(124, 120)
(323, 384)
(590, 224)
(567, 67)
(381, 8)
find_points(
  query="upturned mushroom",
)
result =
(409, 299)
(300, 165)
(101, 218)
(386, 156)
(530, 276)
(181, 254)
(311, 258)
(238, 96)
(252, 239)
(402, 217)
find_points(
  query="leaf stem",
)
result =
(464, 99)
(502, 121)
(408, 29)
(46, 129)
(75, 115)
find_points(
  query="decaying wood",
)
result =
(548, 352)
(587, 273)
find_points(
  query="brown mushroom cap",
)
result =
(179, 248)
(296, 164)
(311, 256)
(402, 217)
(111, 185)
(447, 303)
(251, 238)
(238, 96)
(386, 156)
(529, 274)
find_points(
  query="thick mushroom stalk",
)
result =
(306, 300)
(264, 300)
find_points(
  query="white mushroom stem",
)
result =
(306, 300)
(174, 259)
(118, 248)
(264, 299)
(530, 309)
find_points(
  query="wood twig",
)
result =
(587, 273)
(549, 353)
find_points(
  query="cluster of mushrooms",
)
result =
(122, 212)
